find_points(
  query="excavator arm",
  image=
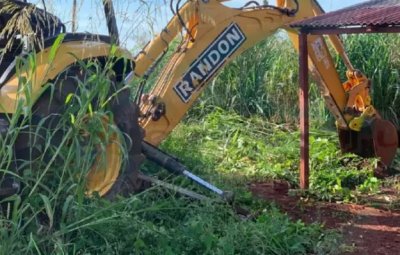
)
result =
(214, 34)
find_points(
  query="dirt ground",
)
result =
(366, 230)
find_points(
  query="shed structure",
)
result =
(376, 16)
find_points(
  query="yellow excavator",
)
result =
(212, 35)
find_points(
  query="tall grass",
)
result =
(53, 168)
(264, 80)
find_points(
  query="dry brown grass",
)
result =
(19, 18)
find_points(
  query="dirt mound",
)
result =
(366, 230)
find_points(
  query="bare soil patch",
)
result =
(366, 230)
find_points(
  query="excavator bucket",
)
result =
(377, 139)
(386, 140)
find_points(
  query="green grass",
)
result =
(51, 215)
(157, 222)
(238, 150)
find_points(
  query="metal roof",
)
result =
(381, 13)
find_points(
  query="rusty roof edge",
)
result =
(373, 12)
(349, 30)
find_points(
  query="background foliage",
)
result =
(264, 80)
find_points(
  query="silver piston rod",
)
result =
(172, 165)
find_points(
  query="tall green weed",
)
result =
(264, 80)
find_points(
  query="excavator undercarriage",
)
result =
(212, 35)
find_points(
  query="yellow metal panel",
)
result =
(67, 54)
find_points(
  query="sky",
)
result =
(139, 20)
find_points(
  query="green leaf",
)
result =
(90, 110)
(66, 207)
(55, 47)
(72, 117)
(69, 98)
(48, 208)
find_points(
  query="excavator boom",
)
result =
(214, 34)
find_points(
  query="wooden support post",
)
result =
(74, 19)
(304, 121)
(111, 21)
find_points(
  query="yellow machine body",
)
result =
(47, 68)
(47, 65)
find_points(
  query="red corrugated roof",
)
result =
(370, 13)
